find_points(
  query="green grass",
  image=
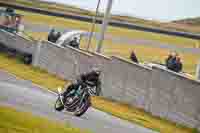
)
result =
(36, 75)
(115, 31)
(13, 121)
(123, 111)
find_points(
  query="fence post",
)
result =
(36, 53)
(104, 25)
(198, 71)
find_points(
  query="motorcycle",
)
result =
(76, 101)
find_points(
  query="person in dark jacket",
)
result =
(58, 35)
(10, 10)
(50, 35)
(173, 62)
(170, 61)
(74, 43)
(167, 60)
(133, 57)
(91, 78)
(179, 64)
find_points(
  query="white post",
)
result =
(36, 53)
(198, 71)
(104, 25)
(93, 25)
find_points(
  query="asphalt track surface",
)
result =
(118, 39)
(28, 97)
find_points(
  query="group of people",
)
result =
(53, 36)
(173, 61)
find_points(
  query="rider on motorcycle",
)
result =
(91, 78)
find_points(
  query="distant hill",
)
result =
(189, 21)
(190, 24)
(187, 25)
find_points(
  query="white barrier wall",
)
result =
(128, 82)
(64, 62)
(175, 97)
(17, 42)
(68, 62)
(103, 63)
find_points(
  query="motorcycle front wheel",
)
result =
(58, 105)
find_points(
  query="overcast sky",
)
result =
(163, 10)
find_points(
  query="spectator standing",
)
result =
(17, 22)
(52, 36)
(170, 56)
(74, 43)
(133, 57)
(179, 64)
(58, 35)
(173, 62)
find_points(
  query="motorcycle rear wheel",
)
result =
(80, 110)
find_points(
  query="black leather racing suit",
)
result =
(90, 77)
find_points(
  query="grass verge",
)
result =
(116, 31)
(123, 111)
(36, 75)
(12, 121)
(139, 116)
